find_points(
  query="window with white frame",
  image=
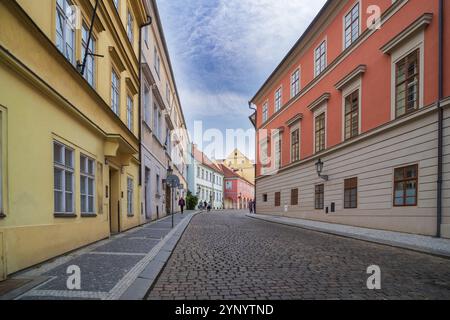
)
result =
(278, 142)
(130, 27)
(65, 29)
(159, 125)
(351, 26)
(115, 92)
(295, 83)
(147, 105)
(130, 113)
(87, 184)
(63, 166)
(320, 58)
(278, 100)
(155, 118)
(265, 112)
(156, 61)
(130, 192)
(89, 70)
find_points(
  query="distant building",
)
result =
(238, 191)
(238, 162)
(205, 179)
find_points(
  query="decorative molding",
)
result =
(359, 71)
(116, 58)
(319, 101)
(131, 86)
(294, 119)
(420, 24)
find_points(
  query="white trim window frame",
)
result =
(65, 30)
(130, 26)
(318, 112)
(295, 82)
(414, 43)
(147, 104)
(130, 195)
(64, 182)
(278, 99)
(355, 85)
(293, 129)
(115, 92)
(352, 25)
(320, 58)
(89, 72)
(265, 111)
(130, 112)
(87, 184)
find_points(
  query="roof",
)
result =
(299, 41)
(204, 160)
(231, 174)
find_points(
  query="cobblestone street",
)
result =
(227, 255)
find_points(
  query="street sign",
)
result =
(173, 181)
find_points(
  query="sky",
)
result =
(222, 51)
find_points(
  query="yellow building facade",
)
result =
(69, 143)
(240, 164)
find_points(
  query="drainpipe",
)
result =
(149, 22)
(256, 141)
(440, 117)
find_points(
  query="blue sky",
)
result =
(222, 51)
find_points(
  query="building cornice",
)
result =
(420, 24)
(358, 72)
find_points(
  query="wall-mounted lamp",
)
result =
(319, 169)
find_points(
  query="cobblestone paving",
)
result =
(229, 256)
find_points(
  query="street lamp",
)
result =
(319, 169)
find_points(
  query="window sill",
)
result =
(130, 215)
(89, 215)
(2, 215)
(65, 215)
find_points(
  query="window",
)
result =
(277, 199)
(130, 113)
(63, 164)
(351, 26)
(294, 197)
(89, 69)
(115, 92)
(158, 187)
(319, 197)
(265, 197)
(130, 196)
(156, 61)
(352, 115)
(147, 105)
(277, 139)
(295, 145)
(168, 93)
(159, 125)
(229, 185)
(407, 84)
(295, 83)
(265, 112)
(278, 100)
(87, 184)
(130, 27)
(155, 119)
(405, 186)
(320, 132)
(351, 193)
(320, 60)
(65, 29)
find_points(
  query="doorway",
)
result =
(147, 192)
(168, 200)
(114, 200)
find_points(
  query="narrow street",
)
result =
(226, 255)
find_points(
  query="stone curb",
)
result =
(142, 284)
(392, 243)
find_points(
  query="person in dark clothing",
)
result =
(250, 206)
(181, 203)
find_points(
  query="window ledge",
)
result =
(65, 215)
(130, 215)
(89, 215)
(2, 215)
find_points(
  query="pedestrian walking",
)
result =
(250, 206)
(181, 203)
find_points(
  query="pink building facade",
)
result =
(238, 191)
